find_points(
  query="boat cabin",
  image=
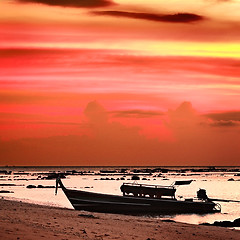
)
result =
(147, 190)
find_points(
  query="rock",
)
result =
(87, 216)
(135, 177)
(223, 223)
(205, 224)
(108, 171)
(31, 186)
(54, 176)
(41, 186)
(236, 222)
(167, 220)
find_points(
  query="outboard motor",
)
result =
(201, 194)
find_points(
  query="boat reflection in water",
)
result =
(139, 199)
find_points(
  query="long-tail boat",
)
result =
(139, 199)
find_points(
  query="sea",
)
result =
(37, 185)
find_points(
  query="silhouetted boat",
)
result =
(152, 199)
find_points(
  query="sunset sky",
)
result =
(117, 82)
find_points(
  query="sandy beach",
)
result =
(19, 220)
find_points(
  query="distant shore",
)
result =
(19, 220)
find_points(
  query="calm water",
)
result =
(216, 183)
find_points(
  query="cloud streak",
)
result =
(72, 3)
(136, 114)
(173, 18)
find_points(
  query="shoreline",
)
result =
(21, 220)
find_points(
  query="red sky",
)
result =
(104, 82)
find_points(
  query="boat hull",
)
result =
(96, 202)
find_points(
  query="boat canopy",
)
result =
(147, 190)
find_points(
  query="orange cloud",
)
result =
(114, 143)
(54, 63)
(72, 77)
(95, 113)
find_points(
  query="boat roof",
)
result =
(176, 183)
(147, 185)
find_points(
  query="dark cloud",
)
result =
(136, 114)
(225, 116)
(224, 119)
(223, 123)
(72, 3)
(174, 18)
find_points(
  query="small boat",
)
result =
(138, 199)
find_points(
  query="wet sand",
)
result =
(26, 221)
